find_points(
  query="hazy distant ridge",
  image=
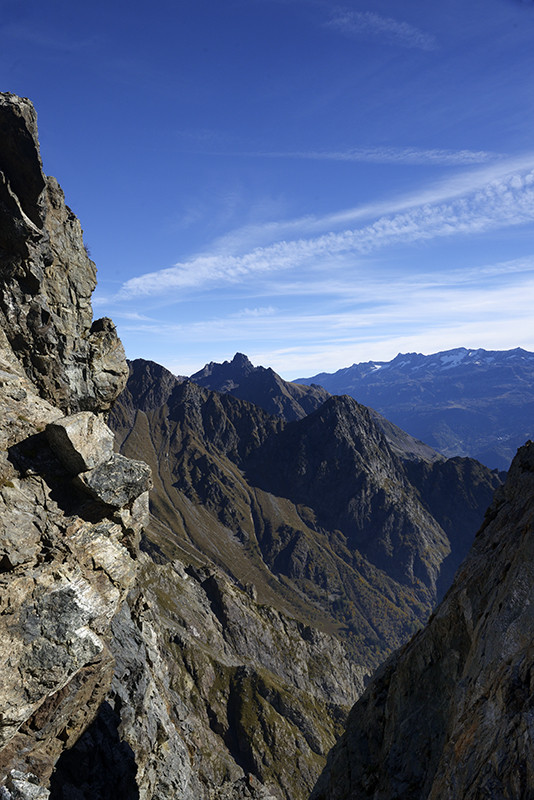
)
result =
(468, 402)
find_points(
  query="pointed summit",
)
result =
(242, 361)
(261, 386)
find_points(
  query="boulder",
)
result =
(118, 482)
(81, 441)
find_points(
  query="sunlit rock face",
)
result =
(48, 278)
(450, 715)
(67, 559)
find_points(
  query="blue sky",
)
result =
(311, 183)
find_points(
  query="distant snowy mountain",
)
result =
(477, 403)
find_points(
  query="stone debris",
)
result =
(21, 786)
(118, 482)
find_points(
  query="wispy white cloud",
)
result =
(391, 155)
(261, 311)
(460, 184)
(387, 319)
(472, 208)
(385, 288)
(412, 156)
(359, 24)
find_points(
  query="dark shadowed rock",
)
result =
(118, 482)
(449, 715)
(261, 386)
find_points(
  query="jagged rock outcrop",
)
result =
(219, 696)
(450, 714)
(263, 387)
(67, 561)
(48, 279)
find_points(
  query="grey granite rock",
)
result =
(23, 786)
(217, 696)
(82, 441)
(118, 482)
(65, 570)
(48, 278)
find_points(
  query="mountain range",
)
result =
(263, 387)
(317, 519)
(477, 403)
(195, 615)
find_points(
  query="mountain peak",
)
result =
(242, 361)
(462, 402)
(261, 386)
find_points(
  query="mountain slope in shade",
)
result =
(261, 386)
(476, 403)
(263, 528)
(450, 714)
(307, 502)
(291, 401)
(202, 445)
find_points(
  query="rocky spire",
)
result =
(47, 278)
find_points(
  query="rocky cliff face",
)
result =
(48, 279)
(215, 694)
(450, 715)
(68, 548)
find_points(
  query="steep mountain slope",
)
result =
(477, 403)
(329, 484)
(291, 401)
(270, 544)
(450, 714)
(201, 446)
(261, 386)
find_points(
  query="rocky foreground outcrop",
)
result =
(48, 279)
(451, 714)
(70, 513)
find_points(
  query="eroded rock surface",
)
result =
(66, 562)
(48, 278)
(216, 695)
(450, 715)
